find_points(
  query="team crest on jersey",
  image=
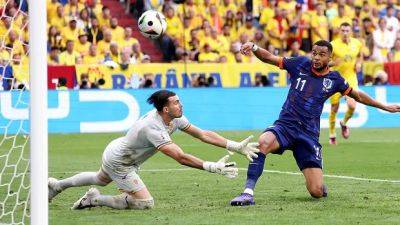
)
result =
(327, 84)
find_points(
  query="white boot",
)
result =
(54, 188)
(86, 200)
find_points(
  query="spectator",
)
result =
(146, 59)
(104, 19)
(391, 20)
(93, 8)
(215, 18)
(174, 23)
(261, 81)
(221, 44)
(394, 55)
(260, 39)
(184, 57)
(84, 81)
(225, 6)
(295, 50)
(52, 6)
(53, 59)
(104, 45)
(95, 34)
(113, 54)
(229, 33)
(380, 78)
(117, 31)
(82, 45)
(337, 21)
(383, 41)
(62, 84)
(73, 7)
(6, 74)
(83, 20)
(267, 13)
(331, 10)
(248, 27)
(21, 75)
(14, 42)
(59, 20)
(277, 29)
(69, 56)
(137, 53)
(70, 32)
(127, 40)
(319, 25)
(207, 55)
(148, 81)
(126, 59)
(93, 57)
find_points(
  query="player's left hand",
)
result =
(392, 108)
(223, 167)
(244, 148)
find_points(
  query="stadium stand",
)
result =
(92, 31)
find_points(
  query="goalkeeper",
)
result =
(151, 133)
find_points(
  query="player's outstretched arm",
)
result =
(260, 53)
(222, 166)
(244, 147)
(365, 99)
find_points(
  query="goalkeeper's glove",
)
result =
(244, 148)
(222, 167)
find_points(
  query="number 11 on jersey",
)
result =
(303, 82)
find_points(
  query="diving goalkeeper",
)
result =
(150, 134)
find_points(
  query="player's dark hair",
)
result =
(345, 24)
(323, 43)
(160, 98)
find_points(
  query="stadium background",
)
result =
(96, 45)
(220, 89)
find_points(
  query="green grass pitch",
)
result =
(189, 196)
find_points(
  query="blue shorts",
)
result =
(306, 147)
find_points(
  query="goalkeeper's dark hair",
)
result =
(323, 43)
(160, 98)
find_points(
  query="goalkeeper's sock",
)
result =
(332, 123)
(254, 171)
(115, 202)
(123, 201)
(348, 115)
(81, 179)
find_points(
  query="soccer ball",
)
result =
(152, 24)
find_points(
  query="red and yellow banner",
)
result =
(179, 75)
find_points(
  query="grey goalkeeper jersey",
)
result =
(147, 134)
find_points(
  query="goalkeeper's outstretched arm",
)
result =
(222, 166)
(210, 137)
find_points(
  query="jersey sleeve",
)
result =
(158, 137)
(342, 86)
(290, 64)
(182, 123)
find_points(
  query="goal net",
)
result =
(15, 113)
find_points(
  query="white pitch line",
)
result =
(267, 171)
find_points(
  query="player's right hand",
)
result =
(392, 108)
(223, 167)
(245, 49)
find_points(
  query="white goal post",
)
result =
(38, 111)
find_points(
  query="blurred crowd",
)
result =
(213, 30)
(85, 32)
